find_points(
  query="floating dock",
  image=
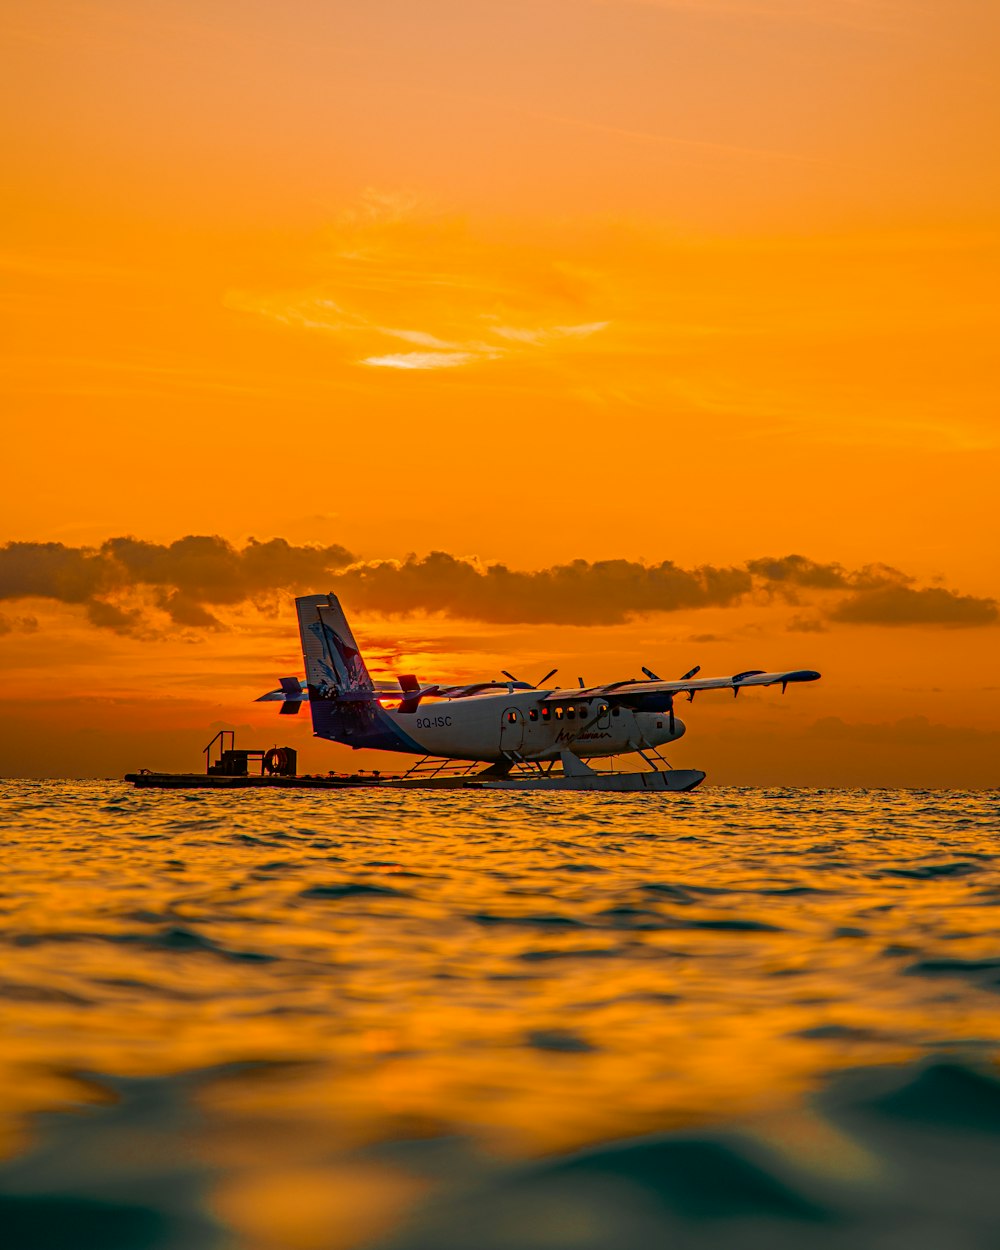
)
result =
(673, 780)
(230, 769)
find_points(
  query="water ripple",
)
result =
(583, 1021)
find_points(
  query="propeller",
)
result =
(551, 673)
(687, 677)
(671, 719)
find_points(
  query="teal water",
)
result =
(311, 1020)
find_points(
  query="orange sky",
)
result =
(697, 280)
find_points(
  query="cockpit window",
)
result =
(616, 710)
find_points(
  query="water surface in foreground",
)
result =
(438, 1020)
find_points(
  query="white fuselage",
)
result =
(524, 724)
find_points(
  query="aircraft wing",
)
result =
(627, 689)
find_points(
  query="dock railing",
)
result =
(220, 737)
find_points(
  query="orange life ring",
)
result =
(275, 761)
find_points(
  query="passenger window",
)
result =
(583, 709)
(512, 718)
(546, 713)
(533, 713)
(559, 712)
(570, 714)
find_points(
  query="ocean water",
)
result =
(432, 1021)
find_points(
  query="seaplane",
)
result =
(531, 736)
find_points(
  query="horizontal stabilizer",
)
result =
(291, 697)
(292, 691)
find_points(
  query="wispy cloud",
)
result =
(310, 310)
(395, 269)
(420, 337)
(523, 337)
(542, 334)
(424, 360)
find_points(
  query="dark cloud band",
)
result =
(189, 578)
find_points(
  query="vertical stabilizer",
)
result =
(334, 667)
(342, 697)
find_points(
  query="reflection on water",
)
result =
(302, 1020)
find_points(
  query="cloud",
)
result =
(184, 610)
(795, 570)
(420, 337)
(51, 571)
(541, 334)
(606, 592)
(396, 644)
(184, 575)
(425, 360)
(125, 581)
(904, 605)
(209, 569)
(18, 624)
(806, 625)
(377, 206)
(467, 353)
(396, 270)
(881, 595)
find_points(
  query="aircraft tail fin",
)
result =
(334, 665)
(343, 700)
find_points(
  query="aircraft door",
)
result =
(511, 729)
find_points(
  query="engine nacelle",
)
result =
(656, 729)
